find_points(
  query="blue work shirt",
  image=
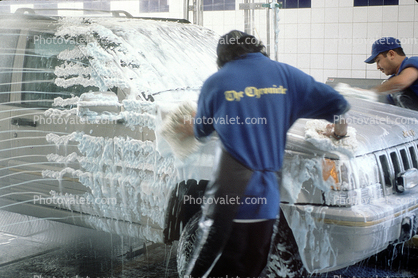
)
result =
(406, 63)
(251, 103)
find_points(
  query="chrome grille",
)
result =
(394, 161)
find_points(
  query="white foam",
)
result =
(314, 130)
(348, 91)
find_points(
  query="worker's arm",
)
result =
(398, 83)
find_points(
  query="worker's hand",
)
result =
(337, 131)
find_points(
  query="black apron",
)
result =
(229, 181)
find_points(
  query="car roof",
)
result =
(44, 14)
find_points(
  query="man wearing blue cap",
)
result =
(402, 85)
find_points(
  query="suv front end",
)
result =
(344, 207)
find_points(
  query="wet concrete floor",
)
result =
(33, 248)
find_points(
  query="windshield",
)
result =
(135, 58)
(41, 60)
(141, 57)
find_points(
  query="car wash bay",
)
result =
(30, 247)
(35, 248)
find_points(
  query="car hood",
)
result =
(377, 126)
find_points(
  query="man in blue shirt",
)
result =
(251, 102)
(402, 85)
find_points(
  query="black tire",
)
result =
(186, 243)
(284, 259)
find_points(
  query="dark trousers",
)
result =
(246, 251)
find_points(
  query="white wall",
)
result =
(331, 39)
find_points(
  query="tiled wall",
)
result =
(330, 39)
(333, 38)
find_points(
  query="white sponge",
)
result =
(314, 133)
(181, 146)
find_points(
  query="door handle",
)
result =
(23, 122)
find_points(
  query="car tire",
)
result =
(284, 259)
(186, 243)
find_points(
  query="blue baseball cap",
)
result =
(382, 45)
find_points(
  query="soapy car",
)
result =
(82, 100)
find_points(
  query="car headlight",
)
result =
(356, 181)
(329, 169)
(338, 171)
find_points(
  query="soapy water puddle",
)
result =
(81, 262)
(35, 248)
(54, 250)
